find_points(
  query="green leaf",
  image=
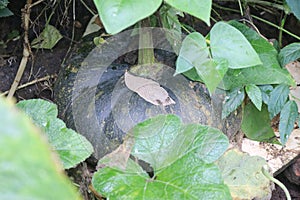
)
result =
(232, 101)
(265, 92)
(28, 168)
(116, 15)
(193, 52)
(72, 147)
(243, 175)
(288, 117)
(5, 12)
(198, 8)
(181, 157)
(255, 95)
(295, 7)
(47, 39)
(212, 73)
(193, 75)
(229, 43)
(257, 125)
(268, 73)
(289, 53)
(277, 99)
(169, 20)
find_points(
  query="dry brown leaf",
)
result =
(148, 90)
(119, 157)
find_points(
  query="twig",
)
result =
(30, 83)
(26, 49)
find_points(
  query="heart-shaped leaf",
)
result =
(116, 15)
(193, 52)
(270, 72)
(229, 43)
(72, 147)
(181, 157)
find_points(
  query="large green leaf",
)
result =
(28, 168)
(288, 117)
(232, 101)
(289, 53)
(255, 95)
(270, 72)
(277, 99)
(257, 125)
(72, 147)
(243, 175)
(193, 52)
(116, 15)
(198, 8)
(295, 7)
(227, 42)
(181, 157)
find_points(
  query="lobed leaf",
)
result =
(243, 175)
(72, 147)
(28, 167)
(181, 157)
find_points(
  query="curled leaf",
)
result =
(148, 90)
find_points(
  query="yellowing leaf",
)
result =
(148, 90)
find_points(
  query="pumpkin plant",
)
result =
(232, 57)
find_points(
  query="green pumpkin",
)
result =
(93, 99)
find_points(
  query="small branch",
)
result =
(31, 83)
(26, 49)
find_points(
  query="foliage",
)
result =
(254, 65)
(4, 11)
(28, 167)
(181, 157)
(294, 5)
(118, 15)
(243, 175)
(71, 147)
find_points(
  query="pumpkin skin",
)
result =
(103, 109)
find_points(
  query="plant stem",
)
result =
(278, 27)
(146, 53)
(280, 31)
(271, 178)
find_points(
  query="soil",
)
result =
(46, 64)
